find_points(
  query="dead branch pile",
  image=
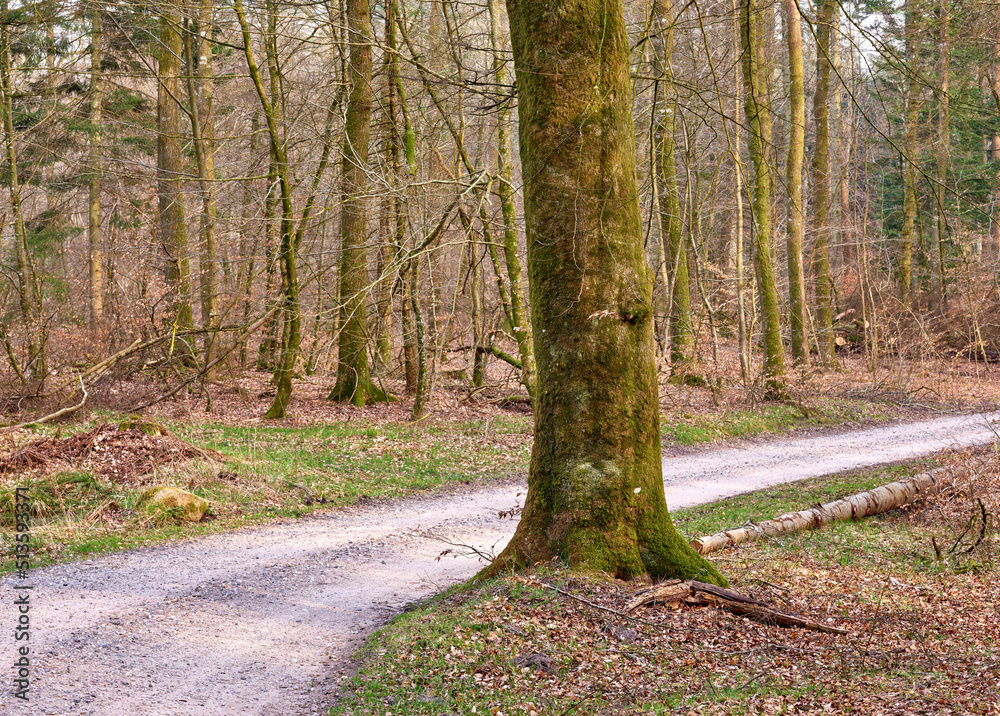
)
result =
(690, 591)
(120, 455)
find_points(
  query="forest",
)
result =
(195, 190)
(664, 333)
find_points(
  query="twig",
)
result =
(52, 416)
(204, 371)
(589, 603)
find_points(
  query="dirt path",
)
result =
(261, 621)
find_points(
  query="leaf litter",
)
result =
(123, 456)
(924, 630)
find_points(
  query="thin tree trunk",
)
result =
(825, 21)
(421, 384)
(909, 160)
(95, 241)
(505, 190)
(669, 210)
(288, 259)
(170, 170)
(758, 122)
(793, 184)
(27, 284)
(200, 92)
(994, 253)
(939, 227)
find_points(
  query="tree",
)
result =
(595, 486)
(911, 15)
(669, 209)
(758, 132)
(170, 169)
(95, 241)
(826, 20)
(793, 183)
(289, 246)
(354, 381)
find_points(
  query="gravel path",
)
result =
(260, 621)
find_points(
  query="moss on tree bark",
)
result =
(595, 487)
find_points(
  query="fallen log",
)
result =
(690, 591)
(864, 504)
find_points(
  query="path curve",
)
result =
(260, 621)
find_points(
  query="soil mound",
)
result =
(120, 455)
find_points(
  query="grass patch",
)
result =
(768, 419)
(265, 473)
(920, 640)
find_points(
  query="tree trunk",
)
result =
(288, 255)
(200, 92)
(939, 227)
(669, 210)
(994, 253)
(27, 285)
(595, 486)
(505, 190)
(354, 382)
(793, 184)
(170, 170)
(758, 129)
(825, 20)
(864, 504)
(95, 242)
(909, 160)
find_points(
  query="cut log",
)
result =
(864, 504)
(689, 591)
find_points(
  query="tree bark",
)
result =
(95, 241)
(170, 170)
(758, 129)
(27, 283)
(354, 382)
(909, 160)
(793, 184)
(595, 487)
(825, 20)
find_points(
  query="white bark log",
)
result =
(872, 502)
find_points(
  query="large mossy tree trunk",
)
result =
(354, 381)
(595, 486)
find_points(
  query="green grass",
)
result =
(765, 504)
(267, 473)
(767, 419)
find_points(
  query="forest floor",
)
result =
(262, 619)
